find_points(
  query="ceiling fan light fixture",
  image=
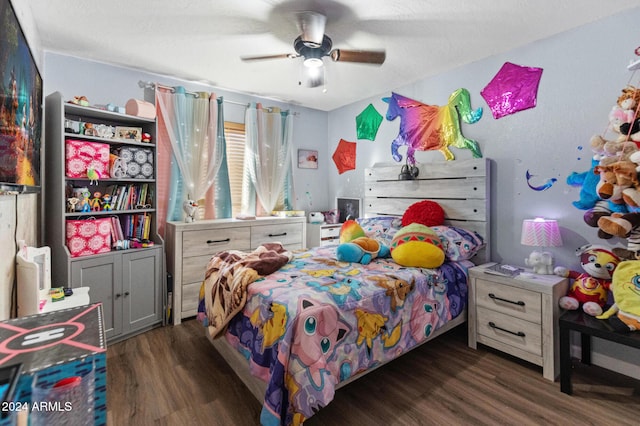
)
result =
(313, 62)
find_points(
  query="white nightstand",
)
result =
(518, 316)
(322, 234)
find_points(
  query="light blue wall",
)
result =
(584, 72)
(103, 83)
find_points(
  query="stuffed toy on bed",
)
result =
(624, 315)
(356, 247)
(361, 250)
(417, 245)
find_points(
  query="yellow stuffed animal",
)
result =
(625, 287)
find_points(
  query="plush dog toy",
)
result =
(590, 287)
(624, 315)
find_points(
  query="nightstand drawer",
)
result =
(512, 301)
(510, 331)
(329, 232)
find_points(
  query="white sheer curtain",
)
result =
(269, 134)
(191, 121)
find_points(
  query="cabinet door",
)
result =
(142, 288)
(103, 276)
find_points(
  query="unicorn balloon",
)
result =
(430, 127)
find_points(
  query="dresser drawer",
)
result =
(210, 241)
(289, 234)
(190, 297)
(194, 267)
(512, 301)
(511, 331)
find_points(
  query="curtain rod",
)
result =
(150, 85)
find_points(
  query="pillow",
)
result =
(417, 245)
(459, 243)
(426, 212)
(381, 228)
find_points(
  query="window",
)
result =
(235, 138)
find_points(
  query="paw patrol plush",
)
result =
(589, 288)
(624, 315)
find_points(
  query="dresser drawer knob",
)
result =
(494, 326)
(278, 235)
(226, 240)
(494, 297)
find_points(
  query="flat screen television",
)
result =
(20, 108)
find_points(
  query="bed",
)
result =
(316, 324)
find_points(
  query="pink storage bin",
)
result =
(81, 155)
(88, 236)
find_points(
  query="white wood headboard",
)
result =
(461, 187)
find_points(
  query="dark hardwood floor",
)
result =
(173, 376)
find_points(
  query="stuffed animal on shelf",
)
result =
(624, 314)
(590, 287)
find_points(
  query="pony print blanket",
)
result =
(317, 322)
(229, 273)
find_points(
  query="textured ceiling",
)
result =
(203, 40)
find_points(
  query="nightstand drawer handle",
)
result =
(226, 240)
(278, 235)
(494, 297)
(493, 325)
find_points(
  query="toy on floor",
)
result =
(624, 315)
(590, 287)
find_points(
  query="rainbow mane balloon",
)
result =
(430, 127)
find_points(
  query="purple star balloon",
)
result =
(514, 88)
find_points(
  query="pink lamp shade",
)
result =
(540, 232)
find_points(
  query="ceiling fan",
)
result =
(313, 45)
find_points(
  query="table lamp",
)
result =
(540, 232)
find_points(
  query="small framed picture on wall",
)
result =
(348, 208)
(307, 159)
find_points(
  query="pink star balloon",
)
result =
(514, 88)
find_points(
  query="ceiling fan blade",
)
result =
(311, 26)
(264, 57)
(360, 56)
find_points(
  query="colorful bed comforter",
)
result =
(317, 322)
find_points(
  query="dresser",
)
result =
(322, 234)
(189, 247)
(518, 316)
